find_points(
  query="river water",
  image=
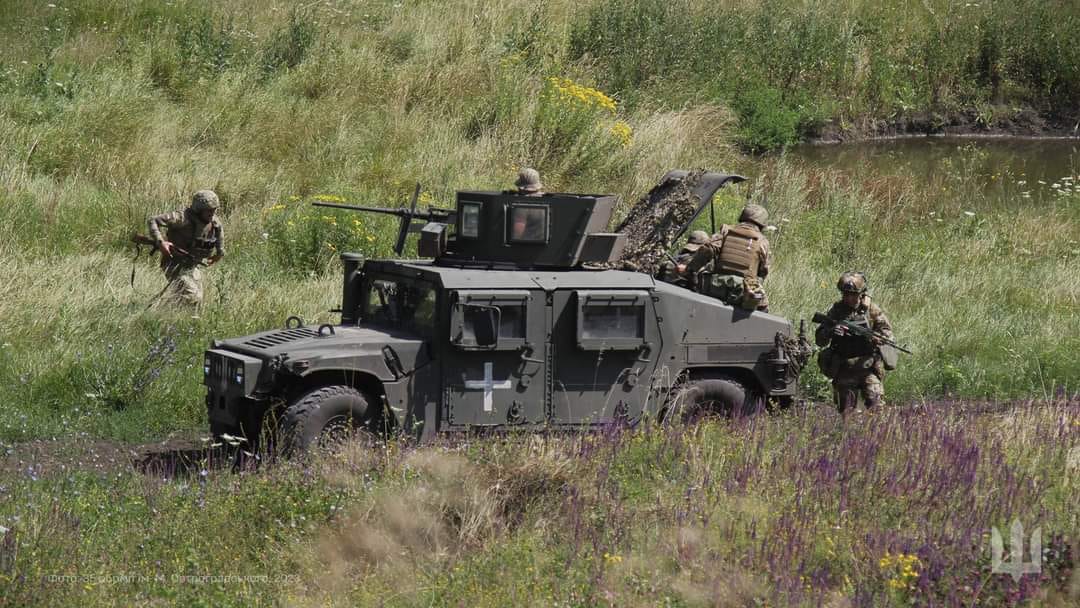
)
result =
(1006, 170)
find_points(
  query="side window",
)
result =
(476, 313)
(470, 220)
(612, 320)
(527, 224)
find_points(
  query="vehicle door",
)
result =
(494, 369)
(604, 345)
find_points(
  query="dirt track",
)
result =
(182, 456)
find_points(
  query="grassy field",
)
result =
(112, 110)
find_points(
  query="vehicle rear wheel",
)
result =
(700, 399)
(323, 418)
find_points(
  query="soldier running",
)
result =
(853, 362)
(192, 238)
(733, 264)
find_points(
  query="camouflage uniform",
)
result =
(669, 273)
(852, 362)
(186, 230)
(733, 264)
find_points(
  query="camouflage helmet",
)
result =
(204, 200)
(696, 239)
(528, 180)
(755, 214)
(852, 282)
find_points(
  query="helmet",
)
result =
(852, 282)
(204, 200)
(755, 214)
(698, 237)
(528, 181)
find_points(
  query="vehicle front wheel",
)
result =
(711, 397)
(324, 417)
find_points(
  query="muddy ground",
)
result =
(185, 455)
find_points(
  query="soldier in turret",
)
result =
(528, 182)
(188, 239)
(854, 362)
(732, 266)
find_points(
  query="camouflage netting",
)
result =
(652, 224)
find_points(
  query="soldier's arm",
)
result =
(702, 258)
(825, 332)
(764, 259)
(157, 222)
(879, 322)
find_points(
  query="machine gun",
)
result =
(407, 216)
(858, 330)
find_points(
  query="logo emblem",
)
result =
(1016, 566)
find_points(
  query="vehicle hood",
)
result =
(307, 342)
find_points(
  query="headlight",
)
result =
(206, 366)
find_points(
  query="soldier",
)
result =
(669, 270)
(528, 182)
(192, 238)
(854, 363)
(733, 264)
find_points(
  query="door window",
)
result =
(471, 319)
(611, 319)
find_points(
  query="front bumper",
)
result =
(230, 380)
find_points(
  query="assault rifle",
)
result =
(859, 330)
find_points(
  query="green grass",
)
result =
(797, 509)
(123, 109)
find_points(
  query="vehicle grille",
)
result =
(281, 337)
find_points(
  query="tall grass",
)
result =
(122, 110)
(802, 509)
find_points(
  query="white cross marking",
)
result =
(488, 384)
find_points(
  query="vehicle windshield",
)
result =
(400, 304)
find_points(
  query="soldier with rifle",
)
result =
(187, 239)
(859, 345)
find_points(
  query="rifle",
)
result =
(858, 330)
(142, 239)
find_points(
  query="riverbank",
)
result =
(1002, 122)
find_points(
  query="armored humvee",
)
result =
(516, 322)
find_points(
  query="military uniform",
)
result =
(669, 271)
(734, 263)
(853, 362)
(200, 240)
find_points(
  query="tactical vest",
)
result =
(199, 239)
(850, 346)
(740, 251)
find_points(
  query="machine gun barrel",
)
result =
(858, 330)
(431, 214)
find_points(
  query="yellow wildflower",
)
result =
(588, 97)
(622, 132)
(328, 198)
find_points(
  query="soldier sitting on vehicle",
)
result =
(669, 271)
(192, 238)
(735, 261)
(855, 363)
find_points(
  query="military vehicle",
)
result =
(516, 322)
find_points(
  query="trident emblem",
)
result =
(1016, 566)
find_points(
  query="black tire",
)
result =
(323, 417)
(700, 399)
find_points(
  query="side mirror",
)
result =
(477, 325)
